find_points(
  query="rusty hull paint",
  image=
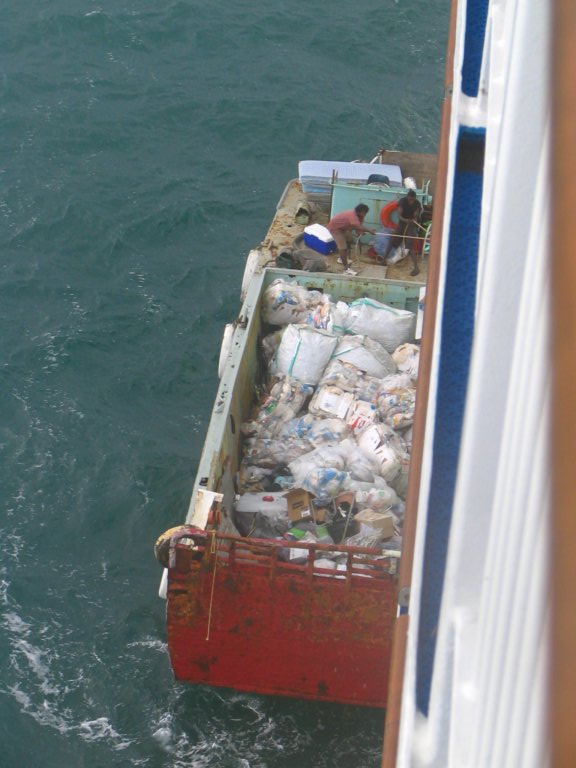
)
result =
(281, 633)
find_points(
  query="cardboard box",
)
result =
(379, 521)
(300, 505)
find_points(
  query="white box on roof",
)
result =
(320, 172)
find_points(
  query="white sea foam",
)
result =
(15, 623)
(101, 729)
(150, 642)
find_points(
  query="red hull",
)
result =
(254, 623)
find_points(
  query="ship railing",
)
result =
(212, 549)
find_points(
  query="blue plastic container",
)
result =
(319, 245)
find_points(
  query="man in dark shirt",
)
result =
(409, 211)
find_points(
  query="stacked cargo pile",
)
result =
(327, 450)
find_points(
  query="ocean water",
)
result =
(144, 148)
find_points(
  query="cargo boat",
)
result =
(239, 613)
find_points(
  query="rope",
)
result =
(213, 550)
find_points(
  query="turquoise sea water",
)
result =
(144, 148)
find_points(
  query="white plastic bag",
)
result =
(407, 359)
(384, 447)
(358, 465)
(360, 415)
(350, 379)
(331, 401)
(381, 322)
(323, 456)
(303, 353)
(314, 430)
(396, 401)
(284, 303)
(378, 499)
(323, 482)
(271, 453)
(285, 400)
(366, 354)
(328, 431)
(321, 471)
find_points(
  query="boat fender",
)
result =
(225, 348)
(249, 271)
(386, 215)
(162, 546)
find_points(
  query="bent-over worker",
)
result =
(341, 226)
(409, 211)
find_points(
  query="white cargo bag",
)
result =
(303, 353)
(384, 447)
(366, 355)
(380, 322)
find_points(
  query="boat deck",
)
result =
(284, 229)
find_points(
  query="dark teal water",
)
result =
(144, 147)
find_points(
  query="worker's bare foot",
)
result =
(415, 272)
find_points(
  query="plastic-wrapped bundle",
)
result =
(397, 408)
(284, 303)
(366, 354)
(378, 499)
(357, 464)
(261, 515)
(361, 485)
(298, 427)
(347, 377)
(367, 388)
(303, 353)
(321, 481)
(384, 447)
(407, 359)
(345, 457)
(271, 453)
(253, 477)
(328, 431)
(331, 401)
(400, 482)
(387, 325)
(285, 400)
(320, 315)
(340, 374)
(325, 456)
(396, 401)
(320, 471)
(360, 415)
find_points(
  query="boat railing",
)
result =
(211, 550)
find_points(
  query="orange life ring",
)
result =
(386, 215)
